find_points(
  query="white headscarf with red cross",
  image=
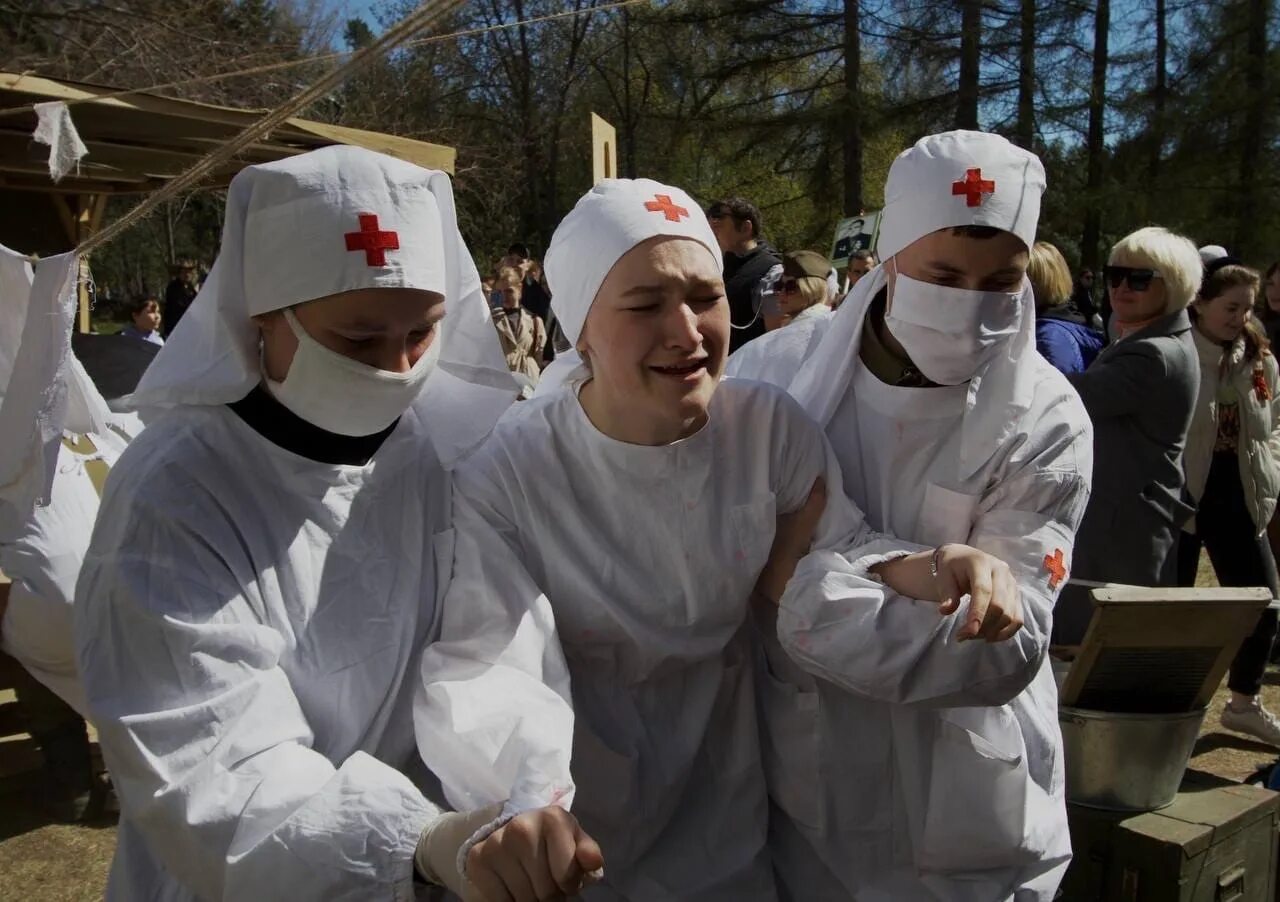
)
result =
(957, 178)
(322, 223)
(609, 220)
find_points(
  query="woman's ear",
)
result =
(278, 343)
(584, 350)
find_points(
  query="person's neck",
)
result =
(620, 423)
(745, 247)
(1199, 330)
(1125, 329)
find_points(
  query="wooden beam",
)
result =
(85, 228)
(67, 216)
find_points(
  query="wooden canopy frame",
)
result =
(137, 143)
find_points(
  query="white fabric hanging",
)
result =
(55, 128)
(45, 388)
(47, 500)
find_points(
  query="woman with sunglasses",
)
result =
(803, 288)
(1140, 392)
(801, 297)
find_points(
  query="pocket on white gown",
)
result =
(791, 750)
(978, 792)
(754, 525)
(946, 515)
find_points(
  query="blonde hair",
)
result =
(1050, 277)
(1175, 257)
(508, 275)
(813, 289)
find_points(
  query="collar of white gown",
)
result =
(641, 460)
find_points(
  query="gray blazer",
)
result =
(1140, 393)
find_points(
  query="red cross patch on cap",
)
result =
(973, 186)
(662, 203)
(372, 241)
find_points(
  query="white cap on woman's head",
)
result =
(609, 220)
(322, 223)
(960, 178)
(338, 219)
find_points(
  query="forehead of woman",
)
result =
(661, 265)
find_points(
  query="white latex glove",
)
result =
(436, 857)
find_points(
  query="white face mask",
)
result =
(342, 395)
(950, 332)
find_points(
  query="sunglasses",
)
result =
(1139, 279)
(786, 286)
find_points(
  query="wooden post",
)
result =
(80, 222)
(604, 150)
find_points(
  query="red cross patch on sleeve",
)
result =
(1056, 565)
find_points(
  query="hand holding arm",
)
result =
(952, 571)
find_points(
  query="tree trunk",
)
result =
(1253, 139)
(628, 113)
(1026, 128)
(1096, 148)
(970, 63)
(1159, 97)
(852, 124)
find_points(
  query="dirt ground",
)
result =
(42, 861)
(45, 862)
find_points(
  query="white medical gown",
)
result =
(246, 620)
(598, 606)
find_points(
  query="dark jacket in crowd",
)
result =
(177, 298)
(1271, 323)
(1140, 393)
(1082, 300)
(1065, 340)
(535, 298)
(741, 275)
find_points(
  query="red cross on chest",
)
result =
(662, 203)
(372, 241)
(973, 186)
(1057, 566)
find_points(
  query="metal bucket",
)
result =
(1126, 762)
